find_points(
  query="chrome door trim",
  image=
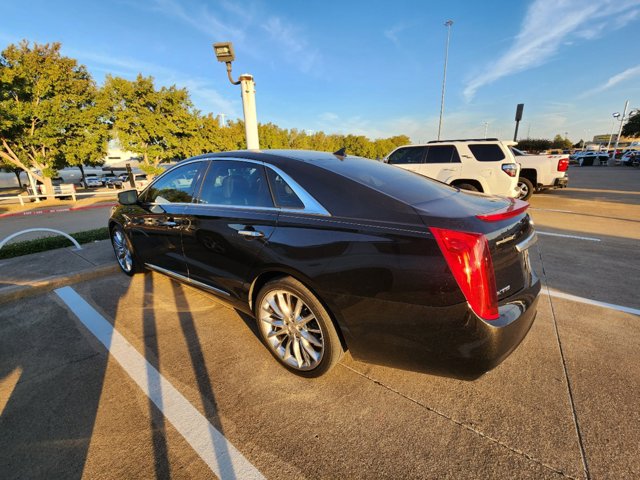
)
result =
(186, 280)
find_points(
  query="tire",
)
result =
(526, 188)
(123, 250)
(467, 186)
(308, 349)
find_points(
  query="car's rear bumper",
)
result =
(450, 341)
(561, 182)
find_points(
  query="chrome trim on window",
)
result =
(311, 205)
(186, 280)
(527, 242)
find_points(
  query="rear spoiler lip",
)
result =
(515, 208)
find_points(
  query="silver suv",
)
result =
(485, 165)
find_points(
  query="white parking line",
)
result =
(215, 450)
(588, 301)
(576, 237)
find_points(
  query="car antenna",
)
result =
(341, 153)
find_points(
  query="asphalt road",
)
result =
(564, 405)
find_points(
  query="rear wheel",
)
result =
(296, 328)
(467, 186)
(526, 188)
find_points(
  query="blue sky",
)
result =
(367, 67)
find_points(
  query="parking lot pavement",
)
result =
(562, 406)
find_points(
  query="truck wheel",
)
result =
(526, 188)
(467, 186)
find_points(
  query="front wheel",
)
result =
(526, 188)
(124, 251)
(296, 328)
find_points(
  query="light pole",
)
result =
(486, 127)
(613, 125)
(224, 53)
(615, 149)
(447, 24)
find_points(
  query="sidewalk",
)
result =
(41, 272)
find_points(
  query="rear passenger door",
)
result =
(229, 224)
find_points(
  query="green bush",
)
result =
(50, 243)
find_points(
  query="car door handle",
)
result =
(251, 233)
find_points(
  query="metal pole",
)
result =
(447, 24)
(613, 125)
(486, 127)
(248, 88)
(515, 134)
(615, 149)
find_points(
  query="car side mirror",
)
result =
(128, 197)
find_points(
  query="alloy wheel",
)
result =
(121, 247)
(291, 330)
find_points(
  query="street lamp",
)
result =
(447, 24)
(224, 53)
(613, 125)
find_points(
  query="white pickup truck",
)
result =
(539, 172)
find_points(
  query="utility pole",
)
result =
(447, 24)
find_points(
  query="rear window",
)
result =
(401, 184)
(487, 152)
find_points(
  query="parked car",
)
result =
(588, 158)
(338, 252)
(540, 172)
(93, 181)
(485, 165)
(630, 158)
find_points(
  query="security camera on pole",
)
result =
(224, 53)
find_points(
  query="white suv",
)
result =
(485, 165)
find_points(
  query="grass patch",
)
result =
(18, 249)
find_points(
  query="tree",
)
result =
(159, 125)
(47, 110)
(534, 144)
(632, 127)
(560, 142)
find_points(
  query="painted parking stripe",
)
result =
(588, 301)
(562, 235)
(215, 450)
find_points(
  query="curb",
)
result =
(44, 285)
(56, 210)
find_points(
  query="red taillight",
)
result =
(563, 164)
(516, 207)
(510, 169)
(469, 259)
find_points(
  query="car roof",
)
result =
(356, 182)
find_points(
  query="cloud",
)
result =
(614, 80)
(202, 92)
(547, 26)
(201, 19)
(295, 47)
(392, 33)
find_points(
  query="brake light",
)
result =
(563, 164)
(510, 169)
(469, 260)
(515, 207)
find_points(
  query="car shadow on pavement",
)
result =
(152, 354)
(203, 379)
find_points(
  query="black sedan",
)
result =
(330, 252)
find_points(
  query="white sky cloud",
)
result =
(628, 74)
(547, 25)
